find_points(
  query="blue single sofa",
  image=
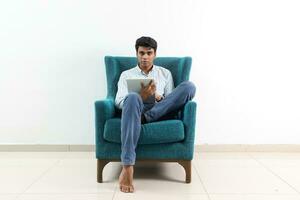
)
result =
(168, 140)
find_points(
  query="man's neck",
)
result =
(146, 71)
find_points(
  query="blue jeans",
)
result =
(133, 108)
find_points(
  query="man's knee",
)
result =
(133, 99)
(189, 87)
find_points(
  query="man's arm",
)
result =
(169, 86)
(122, 91)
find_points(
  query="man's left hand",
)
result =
(158, 97)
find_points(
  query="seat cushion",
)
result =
(166, 131)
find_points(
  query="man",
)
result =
(154, 101)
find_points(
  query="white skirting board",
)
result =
(45, 147)
(198, 148)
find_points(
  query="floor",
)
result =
(215, 176)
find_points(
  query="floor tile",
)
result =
(33, 155)
(18, 174)
(278, 159)
(290, 175)
(77, 176)
(80, 155)
(254, 197)
(8, 196)
(136, 196)
(227, 160)
(65, 197)
(284, 165)
(221, 155)
(226, 174)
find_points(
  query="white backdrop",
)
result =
(245, 65)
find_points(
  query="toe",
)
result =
(122, 188)
(131, 189)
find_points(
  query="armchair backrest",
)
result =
(179, 67)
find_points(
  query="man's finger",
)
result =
(153, 86)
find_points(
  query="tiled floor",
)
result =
(215, 176)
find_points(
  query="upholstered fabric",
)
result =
(152, 133)
(168, 139)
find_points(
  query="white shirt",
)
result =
(162, 78)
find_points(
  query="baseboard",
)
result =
(198, 148)
(247, 148)
(46, 148)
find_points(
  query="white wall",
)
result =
(245, 65)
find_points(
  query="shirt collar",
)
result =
(138, 69)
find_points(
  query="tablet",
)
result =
(134, 84)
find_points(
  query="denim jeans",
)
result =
(133, 108)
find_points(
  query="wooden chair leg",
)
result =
(187, 165)
(100, 165)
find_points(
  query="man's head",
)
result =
(145, 51)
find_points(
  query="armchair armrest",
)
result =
(104, 110)
(189, 120)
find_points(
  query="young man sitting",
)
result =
(154, 101)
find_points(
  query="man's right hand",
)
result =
(148, 90)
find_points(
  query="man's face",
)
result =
(145, 56)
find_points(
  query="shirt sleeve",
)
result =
(169, 86)
(122, 91)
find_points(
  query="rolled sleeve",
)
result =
(169, 86)
(122, 91)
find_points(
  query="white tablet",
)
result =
(134, 84)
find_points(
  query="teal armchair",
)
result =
(169, 140)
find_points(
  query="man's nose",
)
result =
(145, 56)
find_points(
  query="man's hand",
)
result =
(158, 97)
(148, 90)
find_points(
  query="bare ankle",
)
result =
(127, 167)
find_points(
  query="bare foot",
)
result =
(126, 179)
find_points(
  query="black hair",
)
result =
(145, 42)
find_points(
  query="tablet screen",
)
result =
(134, 85)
